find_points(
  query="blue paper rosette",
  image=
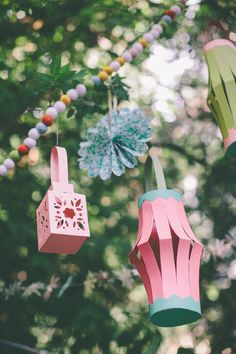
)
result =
(115, 142)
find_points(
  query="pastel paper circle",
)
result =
(138, 47)
(96, 80)
(29, 142)
(41, 128)
(155, 34)
(3, 170)
(72, 93)
(128, 57)
(176, 9)
(115, 65)
(148, 37)
(51, 111)
(9, 164)
(33, 134)
(133, 51)
(60, 107)
(81, 90)
(167, 19)
(158, 28)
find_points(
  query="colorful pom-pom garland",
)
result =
(59, 107)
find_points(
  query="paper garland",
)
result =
(59, 107)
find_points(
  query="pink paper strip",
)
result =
(218, 42)
(168, 271)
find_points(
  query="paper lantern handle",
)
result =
(59, 170)
(154, 162)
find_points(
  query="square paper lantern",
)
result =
(221, 60)
(62, 221)
(167, 257)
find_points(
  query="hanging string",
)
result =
(57, 132)
(153, 163)
(115, 103)
(24, 347)
(110, 106)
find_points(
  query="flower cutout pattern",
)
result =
(69, 213)
(115, 142)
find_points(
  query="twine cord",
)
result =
(153, 162)
(57, 132)
(24, 347)
(110, 106)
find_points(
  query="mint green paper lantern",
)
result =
(220, 56)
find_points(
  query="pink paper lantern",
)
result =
(167, 256)
(62, 221)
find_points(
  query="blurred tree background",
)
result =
(93, 302)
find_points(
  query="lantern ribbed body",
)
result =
(167, 256)
(220, 56)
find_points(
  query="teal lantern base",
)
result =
(174, 311)
(231, 151)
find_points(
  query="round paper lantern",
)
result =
(62, 221)
(220, 56)
(167, 254)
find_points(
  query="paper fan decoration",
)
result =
(115, 142)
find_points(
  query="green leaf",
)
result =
(119, 88)
(55, 65)
(66, 76)
(43, 77)
(71, 113)
(79, 75)
(64, 69)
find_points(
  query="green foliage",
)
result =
(92, 302)
(119, 88)
(185, 351)
(58, 77)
